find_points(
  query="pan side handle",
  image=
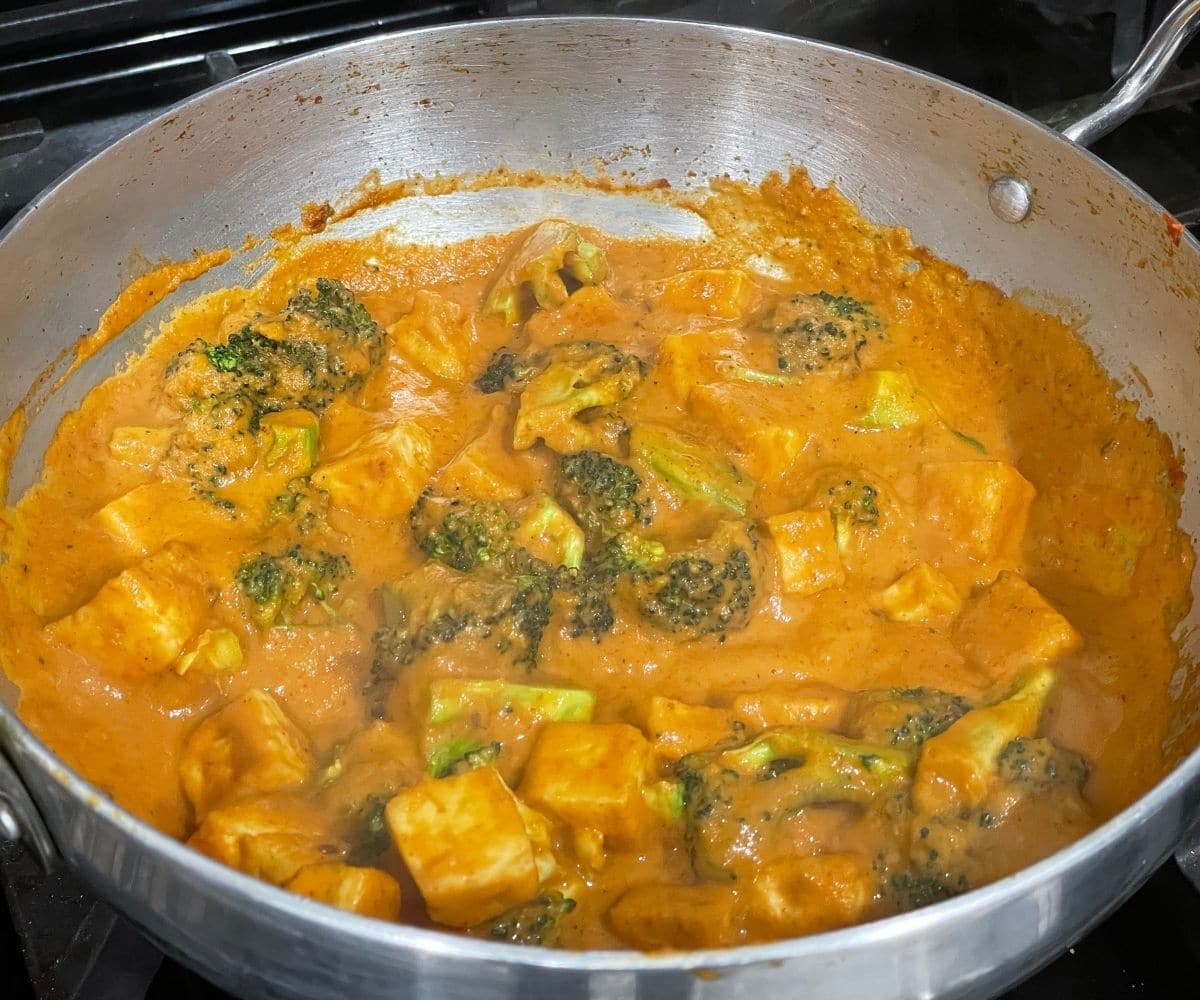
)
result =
(20, 819)
(1129, 93)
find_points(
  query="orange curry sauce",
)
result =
(589, 592)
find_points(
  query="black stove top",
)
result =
(76, 74)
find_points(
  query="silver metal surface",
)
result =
(660, 100)
(1010, 198)
(1135, 87)
(21, 821)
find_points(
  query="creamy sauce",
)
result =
(932, 487)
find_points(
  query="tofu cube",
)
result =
(818, 705)
(466, 845)
(686, 360)
(367, 891)
(922, 594)
(806, 546)
(721, 293)
(797, 896)
(271, 840)
(651, 917)
(214, 651)
(434, 336)
(142, 619)
(1008, 627)
(983, 505)
(249, 747)
(143, 520)
(591, 776)
(144, 447)
(381, 475)
(676, 728)
(761, 422)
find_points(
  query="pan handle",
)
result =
(20, 819)
(1122, 101)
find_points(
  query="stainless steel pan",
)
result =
(1011, 200)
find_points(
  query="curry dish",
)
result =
(593, 592)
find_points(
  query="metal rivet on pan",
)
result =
(1010, 198)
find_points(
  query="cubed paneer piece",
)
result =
(1105, 560)
(721, 293)
(890, 400)
(247, 748)
(144, 447)
(654, 916)
(676, 728)
(1008, 626)
(591, 776)
(485, 468)
(367, 891)
(983, 505)
(686, 360)
(213, 651)
(922, 594)
(142, 619)
(291, 439)
(466, 844)
(818, 705)
(795, 896)
(382, 474)
(143, 520)
(435, 336)
(806, 545)
(760, 421)
(268, 839)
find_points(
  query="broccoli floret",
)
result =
(276, 585)
(853, 506)
(911, 890)
(550, 533)
(543, 271)
(302, 503)
(537, 922)
(563, 403)
(690, 467)
(1041, 765)
(328, 343)
(372, 838)
(737, 803)
(821, 331)
(904, 717)
(508, 607)
(335, 308)
(462, 753)
(463, 534)
(958, 766)
(605, 495)
(706, 591)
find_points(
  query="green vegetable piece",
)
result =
(665, 798)
(957, 767)
(551, 534)
(893, 401)
(459, 754)
(277, 585)
(537, 922)
(451, 698)
(539, 268)
(975, 443)
(694, 470)
(293, 440)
